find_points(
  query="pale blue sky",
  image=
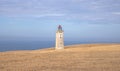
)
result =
(82, 20)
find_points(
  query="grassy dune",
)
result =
(89, 57)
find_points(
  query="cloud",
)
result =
(47, 15)
(116, 13)
(94, 10)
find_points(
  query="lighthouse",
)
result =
(59, 38)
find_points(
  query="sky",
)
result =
(82, 20)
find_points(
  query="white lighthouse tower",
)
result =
(59, 38)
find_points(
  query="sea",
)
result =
(28, 45)
(34, 45)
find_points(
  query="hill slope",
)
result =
(89, 57)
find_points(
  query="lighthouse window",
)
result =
(60, 43)
(60, 36)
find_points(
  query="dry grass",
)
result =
(89, 57)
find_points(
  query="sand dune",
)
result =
(88, 57)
